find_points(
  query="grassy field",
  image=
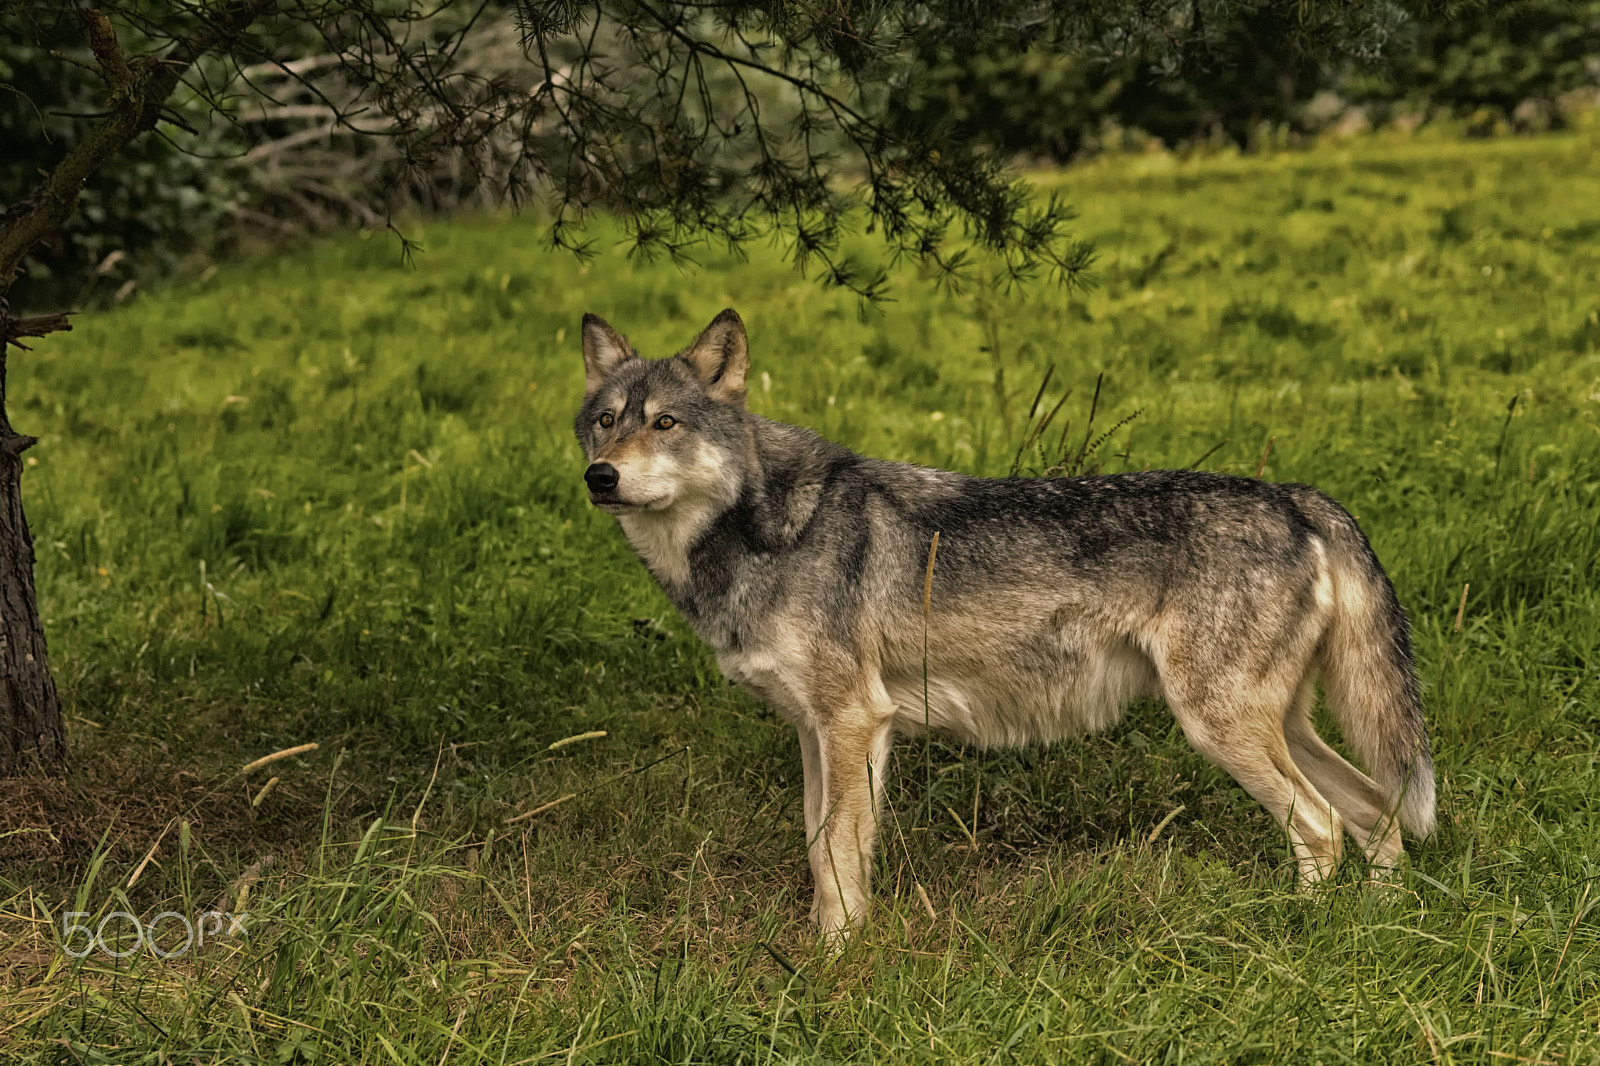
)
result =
(329, 498)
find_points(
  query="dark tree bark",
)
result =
(30, 711)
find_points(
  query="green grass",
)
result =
(325, 497)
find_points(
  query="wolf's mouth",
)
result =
(612, 504)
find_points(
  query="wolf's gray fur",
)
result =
(1054, 604)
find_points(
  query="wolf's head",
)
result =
(663, 433)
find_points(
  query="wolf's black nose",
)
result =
(601, 477)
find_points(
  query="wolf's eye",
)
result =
(606, 421)
(666, 422)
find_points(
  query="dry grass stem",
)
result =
(267, 760)
(266, 790)
(594, 734)
(525, 815)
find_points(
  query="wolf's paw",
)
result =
(1385, 881)
(836, 926)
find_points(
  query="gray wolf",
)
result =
(1054, 603)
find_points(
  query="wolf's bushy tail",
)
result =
(1370, 678)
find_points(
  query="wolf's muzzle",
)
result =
(601, 478)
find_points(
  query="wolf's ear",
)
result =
(604, 349)
(720, 358)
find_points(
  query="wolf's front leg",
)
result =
(844, 759)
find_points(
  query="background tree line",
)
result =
(1517, 65)
(283, 162)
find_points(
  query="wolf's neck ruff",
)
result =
(1054, 604)
(664, 537)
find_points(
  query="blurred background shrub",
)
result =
(1507, 66)
(163, 199)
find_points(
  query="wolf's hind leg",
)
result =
(1353, 794)
(1246, 739)
(844, 761)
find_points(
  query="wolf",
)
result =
(1050, 605)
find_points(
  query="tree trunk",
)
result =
(30, 711)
